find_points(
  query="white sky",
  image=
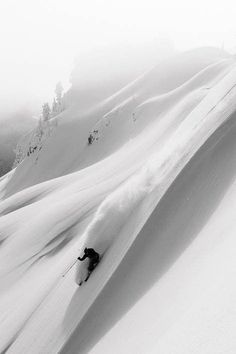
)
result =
(40, 39)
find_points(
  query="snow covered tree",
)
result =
(46, 111)
(54, 107)
(58, 92)
(58, 104)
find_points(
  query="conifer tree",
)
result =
(46, 111)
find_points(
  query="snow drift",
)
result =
(152, 193)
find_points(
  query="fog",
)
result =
(42, 40)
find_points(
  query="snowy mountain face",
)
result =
(12, 127)
(146, 177)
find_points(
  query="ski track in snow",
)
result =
(44, 226)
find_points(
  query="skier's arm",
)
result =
(83, 258)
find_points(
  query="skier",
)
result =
(90, 139)
(94, 259)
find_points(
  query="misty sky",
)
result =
(40, 39)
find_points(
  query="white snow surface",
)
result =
(155, 194)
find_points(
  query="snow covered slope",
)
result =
(155, 194)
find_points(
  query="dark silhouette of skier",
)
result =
(94, 259)
(90, 139)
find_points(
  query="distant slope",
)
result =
(191, 72)
(12, 128)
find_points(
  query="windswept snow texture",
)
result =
(155, 194)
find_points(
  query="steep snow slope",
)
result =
(152, 194)
(184, 263)
(192, 72)
(12, 127)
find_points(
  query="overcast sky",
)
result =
(40, 39)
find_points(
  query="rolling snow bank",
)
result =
(107, 195)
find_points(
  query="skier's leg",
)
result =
(90, 270)
(89, 273)
(91, 267)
